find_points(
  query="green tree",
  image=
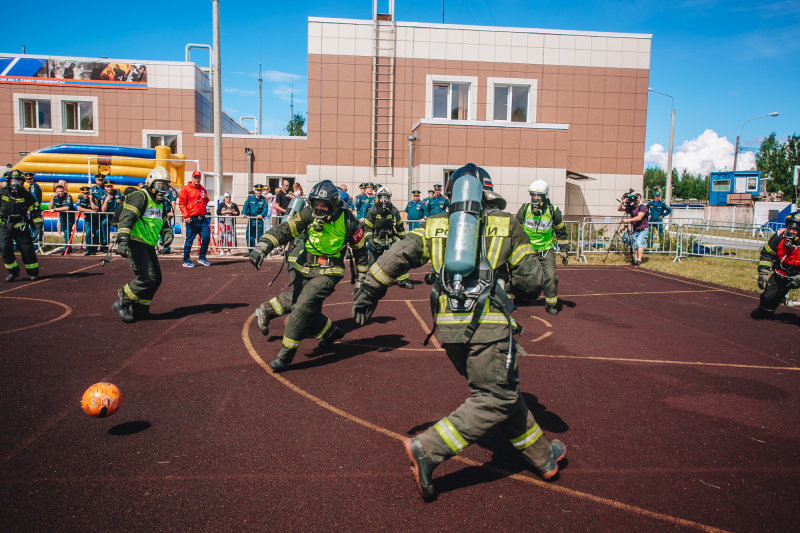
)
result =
(654, 178)
(772, 162)
(295, 126)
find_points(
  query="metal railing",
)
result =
(732, 241)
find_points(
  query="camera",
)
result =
(628, 200)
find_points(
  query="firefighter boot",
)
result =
(758, 313)
(552, 309)
(283, 359)
(12, 276)
(140, 312)
(550, 467)
(405, 284)
(421, 468)
(263, 321)
(333, 336)
(124, 311)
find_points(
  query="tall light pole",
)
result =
(736, 151)
(217, 101)
(668, 195)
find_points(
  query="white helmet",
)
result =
(541, 188)
(384, 197)
(384, 191)
(158, 180)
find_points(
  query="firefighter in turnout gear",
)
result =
(18, 210)
(782, 256)
(321, 231)
(142, 221)
(472, 315)
(382, 228)
(540, 219)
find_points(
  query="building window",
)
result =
(451, 100)
(511, 103)
(78, 116)
(163, 140)
(36, 114)
(721, 185)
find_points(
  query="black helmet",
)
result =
(467, 170)
(490, 198)
(793, 221)
(384, 199)
(325, 191)
(15, 180)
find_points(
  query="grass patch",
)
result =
(730, 273)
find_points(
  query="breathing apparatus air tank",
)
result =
(462, 240)
(296, 205)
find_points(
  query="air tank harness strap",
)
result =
(468, 206)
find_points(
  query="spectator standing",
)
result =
(415, 210)
(427, 200)
(253, 210)
(268, 200)
(84, 205)
(95, 223)
(344, 197)
(33, 187)
(273, 209)
(437, 204)
(638, 221)
(297, 190)
(356, 207)
(62, 203)
(283, 198)
(193, 201)
(111, 199)
(366, 202)
(656, 211)
(227, 210)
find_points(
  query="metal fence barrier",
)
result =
(731, 241)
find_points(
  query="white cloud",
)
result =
(707, 153)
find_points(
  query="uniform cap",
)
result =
(370, 185)
(109, 182)
(415, 192)
(362, 185)
(657, 193)
(258, 187)
(430, 190)
(99, 176)
(437, 187)
(85, 189)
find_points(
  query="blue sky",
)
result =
(723, 62)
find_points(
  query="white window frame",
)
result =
(532, 85)
(146, 134)
(21, 123)
(56, 115)
(64, 103)
(472, 105)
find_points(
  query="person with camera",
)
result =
(142, 221)
(631, 204)
(18, 208)
(540, 218)
(781, 255)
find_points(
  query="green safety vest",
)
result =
(148, 228)
(328, 242)
(539, 228)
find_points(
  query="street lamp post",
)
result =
(668, 195)
(736, 151)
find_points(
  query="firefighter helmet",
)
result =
(541, 189)
(324, 191)
(792, 232)
(158, 181)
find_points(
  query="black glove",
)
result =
(762, 280)
(794, 283)
(363, 307)
(259, 253)
(168, 237)
(39, 232)
(565, 247)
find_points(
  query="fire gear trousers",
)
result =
(550, 284)
(19, 233)
(304, 301)
(775, 293)
(495, 401)
(144, 263)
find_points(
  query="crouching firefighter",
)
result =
(382, 228)
(321, 231)
(18, 208)
(141, 223)
(472, 314)
(781, 255)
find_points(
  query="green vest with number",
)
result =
(148, 228)
(539, 228)
(328, 242)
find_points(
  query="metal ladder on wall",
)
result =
(384, 33)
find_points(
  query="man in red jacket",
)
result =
(192, 201)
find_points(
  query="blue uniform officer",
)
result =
(254, 210)
(416, 210)
(656, 211)
(437, 204)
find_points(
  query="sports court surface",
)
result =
(679, 412)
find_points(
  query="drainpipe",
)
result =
(411, 139)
